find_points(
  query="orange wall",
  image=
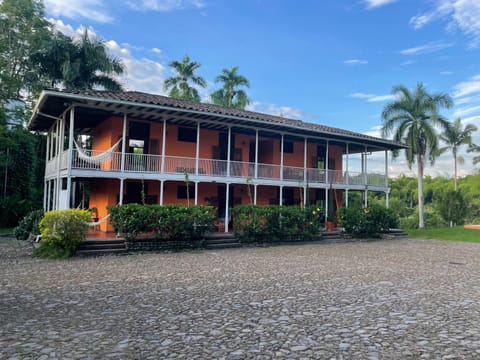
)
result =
(104, 193)
(107, 133)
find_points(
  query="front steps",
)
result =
(221, 241)
(101, 247)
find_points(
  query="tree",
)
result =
(412, 118)
(23, 32)
(88, 65)
(452, 207)
(229, 95)
(455, 136)
(179, 84)
(475, 148)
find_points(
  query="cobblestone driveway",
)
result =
(395, 299)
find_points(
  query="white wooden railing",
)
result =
(146, 163)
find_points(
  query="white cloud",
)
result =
(355, 62)
(446, 72)
(372, 97)
(277, 110)
(425, 49)
(466, 110)
(408, 62)
(156, 50)
(95, 10)
(461, 14)
(469, 87)
(371, 4)
(166, 5)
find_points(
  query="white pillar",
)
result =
(45, 195)
(347, 180)
(326, 165)
(197, 154)
(161, 192)
(256, 153)
(346, 198)
(281, 195)
(281, 158)
(124, 143)
(196, 192)
(227, 201)
(305, 180)
(255, 194)
(326, 202)
(70, 156)
(164, 139)
(229, 144)
(120, 195)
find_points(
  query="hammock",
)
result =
(96, 223)
(95, 159)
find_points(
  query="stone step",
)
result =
(226, 245)
(101, 252)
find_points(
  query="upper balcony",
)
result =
(174, 167)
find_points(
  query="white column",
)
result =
(70, 156)
(256, 154)
(197, 154)
(120, 195)
(281, 158)
(347, 171)
(255, 194)
(387, 192)
(164, 139)
(365, 204)
(229, 144)
(227, 201)
(326, 203)
(161, 192)
(305, 180)
(44, 196)
(124, 142)
(326, 165)
(196, 192)
(346, 198)
(280, 193)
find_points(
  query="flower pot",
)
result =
(330, 226)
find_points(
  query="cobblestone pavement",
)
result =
(395, 299)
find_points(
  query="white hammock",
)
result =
(95, 159)
(96, 223)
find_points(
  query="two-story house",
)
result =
(108, 148)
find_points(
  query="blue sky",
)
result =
(332, 62)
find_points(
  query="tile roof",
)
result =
(211, 109)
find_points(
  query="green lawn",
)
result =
(457, 233)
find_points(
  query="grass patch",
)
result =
(6, 230)
(457, 233)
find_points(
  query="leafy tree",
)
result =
(454, 137)
(179, 85)
(230, 95)
(23, 31)
(80, 64)
(475, 148)
(452, 207)
(412, 118)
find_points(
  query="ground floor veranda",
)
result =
(99, 193)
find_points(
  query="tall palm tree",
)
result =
(229, 95)
(179, 84)
(455, 136)
(475, 148)
(412, 118)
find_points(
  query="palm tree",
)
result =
(229, 95)
(179, 84)
(455, 136)
(412, 118)
(475, 148)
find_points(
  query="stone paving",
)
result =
(395, 299)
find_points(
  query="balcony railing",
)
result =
(146, 163)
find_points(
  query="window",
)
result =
(187, 134)
(182, 192)
(287, 147)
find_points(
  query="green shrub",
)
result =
(367, 222)
(29, 224)
(62, 231)
(276, 223)
(167, 222)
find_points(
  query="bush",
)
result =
(367, 222)
(276, 223)
(167, 222)
(28, 225)
(62, 231)
(430, 218)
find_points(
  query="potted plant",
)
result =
(330, 223)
